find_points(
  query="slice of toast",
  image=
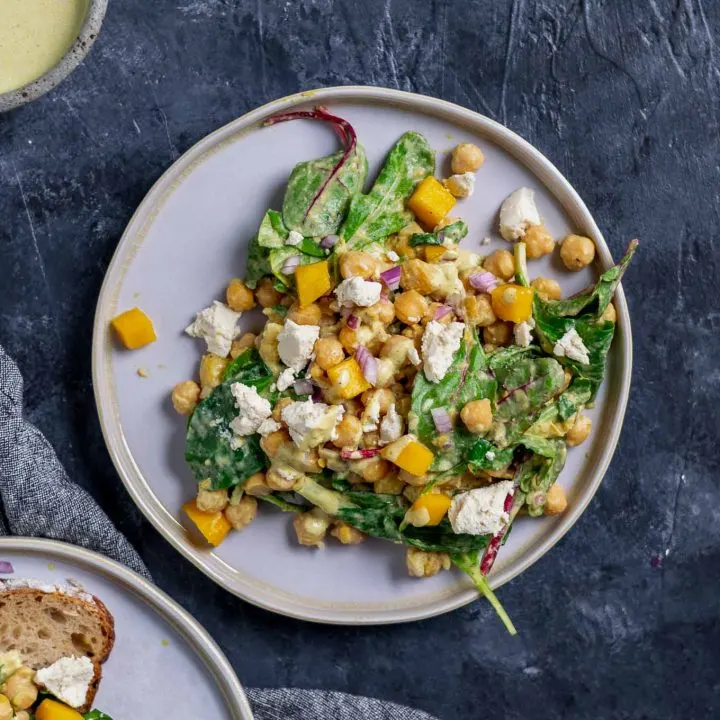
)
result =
(44, 624)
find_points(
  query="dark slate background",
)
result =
(621, 619)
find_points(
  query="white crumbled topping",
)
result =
(391, 427)
(285, 379)
(294, 238)
(392, 256)
(253, 409)
(356, 291)
(518, 213)
(310, 423)
(523, 332)
(68, 679)
(73, 588)
(371, 415)
(480, 511)
(414, 356)
(217, 325)
(490, 455)
(485, 241)
(571, 345)
(10, 661)
(462, 185)
(439, 345)
(296, 343)
(268, 426)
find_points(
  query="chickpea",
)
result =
(458, 186)
(403, 405)
(371, 439)
(389, 485)
(266, 295)
(414, 480)
(580, 430)
(577, 251)
(243, 513)
(242, 344)
(466, 157)
(256, 486)
(350, 339)
(383, 397)
(609, 314)
(479, 311)
(501, 264)
(272, 443)
(185, 397)
(410, 307)
(280, 479)
(499, 333)
(209, 500)
(421, 276)
(239, 296)
(412, 492)
(357, 264)
(546, 288)
(20, 690)
(347, 534)
(415, 333)
(396, 350)
(308, 315)
(22, 715)
(477, 416)
(212, 369)
(425, 564)
(386, 373)
(372, 469)
(538, 242)
(349, 432)
(310, 527)
(556, 501)
(430, 314)
(268, 345)
(382, 311)
(403, 248)
(6, 709)
(279, 407)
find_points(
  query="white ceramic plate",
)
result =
(189, 237)
(158, 646)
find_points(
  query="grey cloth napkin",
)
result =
(37, 499)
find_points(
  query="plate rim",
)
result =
(546, 173)
(199, 639)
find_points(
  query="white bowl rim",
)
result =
(515, 145)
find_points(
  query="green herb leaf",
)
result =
(272, 232)
(453, 233)
(96, 715)
(258, 265)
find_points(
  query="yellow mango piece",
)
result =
(409, 454)
(431, 202)
(433, 253)
(214, 526)
(313, 281)
(54, 710)
(134, 328)
(435, 505)
(512, 303)
(348, 379)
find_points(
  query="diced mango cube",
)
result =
(431, 202)
(433, 253)
(313, 281)
(214, 526)
(348, 379)
(134, 328)
(512, 302)
(409, 455)
(54, 710)
(434, 504)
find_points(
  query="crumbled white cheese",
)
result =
(217, 325)
(480, 511)
(285, 379)
(296, 343)
(523, 332)
(392, 256)
(268, 426)
(571, 345)
(310, 423)
(371, 415)
(439, 345)
(68, 679)
(391, 427)
(294, 238)
(9, 662)
(485, 241)
(461, 186)
(356, 291)
(517, 213)
(490, 455)
(414, 356)
(253, 409)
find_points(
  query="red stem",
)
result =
(491, 551)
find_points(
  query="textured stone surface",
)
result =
(621, 619)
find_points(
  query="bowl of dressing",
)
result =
(41, 43)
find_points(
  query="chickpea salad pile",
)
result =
(403, 387)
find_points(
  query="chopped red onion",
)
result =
(317, 395)
(368, 364)
(443, 423)
(442, 311)
(291, 265)
(441, 237)
(353, 322)
(391, 277)
(6, 568)
(359, 454)
(483, 281)
(329, 241)
(303, 387)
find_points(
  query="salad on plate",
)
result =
(403, 386)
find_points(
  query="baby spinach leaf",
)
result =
(502, 360)
(574, 398)
(483, 455)
(453, 233)
(278, 257)
(539, 473)
(527, 386)
(272, 232)
(212, 450)
(96, 715)
(380, 213)
(258, 265)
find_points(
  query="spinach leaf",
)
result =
(277, 259)
(258, 265)
(283, 501)
(539, 473)
(502, 360)
(574, 398)
(272, 232)
(96, 715)
(453, 233)
(212, 450)
(380, 213)
(483, 455)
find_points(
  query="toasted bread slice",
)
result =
(47, 624)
